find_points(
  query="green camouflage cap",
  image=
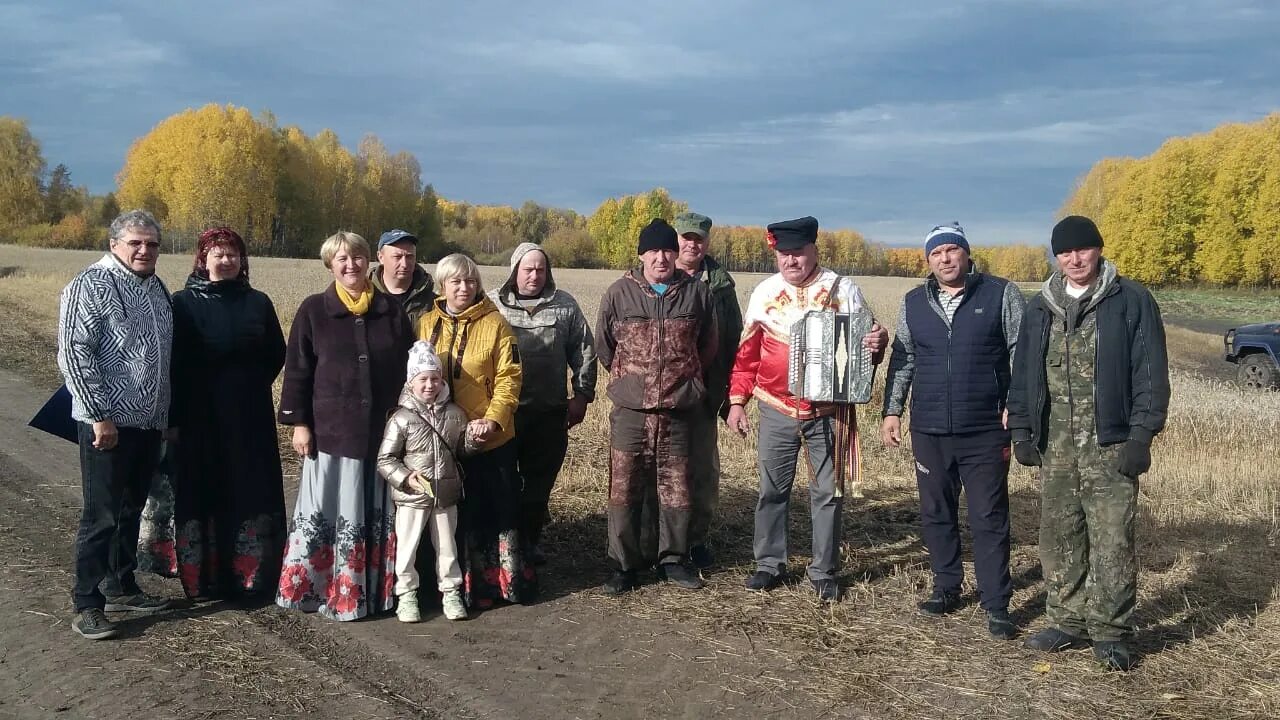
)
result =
(692, 222)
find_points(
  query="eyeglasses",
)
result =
(150, 245)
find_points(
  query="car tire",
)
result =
(1257, 372)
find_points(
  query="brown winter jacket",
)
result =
(343, 373)
(657, 348)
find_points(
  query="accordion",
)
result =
(828, 362)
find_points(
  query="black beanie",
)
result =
(1074, 232)
(657, 235)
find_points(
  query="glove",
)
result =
(1027, 453)
(1135, 459)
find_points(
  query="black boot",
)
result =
(682, 574)
(1000, 625)
(1055, 640)
(1114, 655)
(763, 580)
(621, 582)
(828, 590)
(941, 602)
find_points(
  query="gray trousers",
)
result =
(779, 448)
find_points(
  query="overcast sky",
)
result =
(888, 117)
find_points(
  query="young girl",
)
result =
(419, 458)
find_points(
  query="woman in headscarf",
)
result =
(343, 374)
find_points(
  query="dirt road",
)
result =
(569, 656)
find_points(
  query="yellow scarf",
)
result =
(357, 306)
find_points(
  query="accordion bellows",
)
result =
(828, 362)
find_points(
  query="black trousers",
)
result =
(114, 486)
(541, 443)
(979, 463)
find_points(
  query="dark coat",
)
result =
(227, 351)
(343, 373)
(724, 296)
(1131, 391)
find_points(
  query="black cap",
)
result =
(657, 235)
(793, 234)
(1074, 232)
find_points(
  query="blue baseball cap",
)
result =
(395, 236)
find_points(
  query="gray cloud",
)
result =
(886, 119)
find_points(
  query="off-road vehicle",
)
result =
(1256, 350)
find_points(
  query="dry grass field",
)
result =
(1209, 531)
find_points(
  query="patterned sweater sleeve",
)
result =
(79, 333)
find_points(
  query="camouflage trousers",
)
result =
(1087, 547)
(648, 455)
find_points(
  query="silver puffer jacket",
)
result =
(409, 445)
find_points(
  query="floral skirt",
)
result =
(217, 542)
(493, 566)
(340, 556)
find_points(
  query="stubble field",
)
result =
(1209, 625)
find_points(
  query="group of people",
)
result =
(432, 420)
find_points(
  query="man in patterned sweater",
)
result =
(115, 331)
(760, 369)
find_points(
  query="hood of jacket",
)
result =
(481, 307)
(507, 291)
(1055, 295)
(206, 286)
(409, 401)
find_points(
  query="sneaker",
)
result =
(701, 557)
(1114, 655)
(1000, 625)
(828, 590)
(1055, 640)
(455, 608)
(941, 602)
(92, 624)
(621, 582)
(682, 575)
(407, 608)
(763, 580)
(137, 602)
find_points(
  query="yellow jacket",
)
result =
(481, 362)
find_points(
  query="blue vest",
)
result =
(961, 374)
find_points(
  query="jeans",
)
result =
(114, 484)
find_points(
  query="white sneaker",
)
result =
(407, 608)
(454, 606)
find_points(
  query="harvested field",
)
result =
(1209, 535)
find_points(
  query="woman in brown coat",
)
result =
(343, 368)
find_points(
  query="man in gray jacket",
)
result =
(556, 350)
(115, 333)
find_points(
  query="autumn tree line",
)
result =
(1203, 209)
(284, 191)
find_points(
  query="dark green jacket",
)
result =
(417, 302)
(724, 298)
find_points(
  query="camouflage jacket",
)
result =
(1126, 384)
(724, 296)
(656, 347)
